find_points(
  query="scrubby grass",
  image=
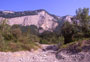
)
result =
(74, 42)
(76, 45)
(18, 46)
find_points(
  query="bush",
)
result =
(13, 39)
(50, 38)
(16, 33)
(68, 30)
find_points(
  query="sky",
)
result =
(57, 7)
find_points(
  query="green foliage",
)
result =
(16, 33)
(83, 16)
(75, 33)
(17, 37)
(17, 14)
(68, 31)
(50, 38)
(77, 46)
(14, 39)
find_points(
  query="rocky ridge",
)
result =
(40, 18)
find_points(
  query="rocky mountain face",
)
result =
(40, 18)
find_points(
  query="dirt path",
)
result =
(45, 54)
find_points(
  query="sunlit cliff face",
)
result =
(42, 20)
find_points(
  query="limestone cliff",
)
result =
(40, 18)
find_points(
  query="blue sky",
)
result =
(58, 7)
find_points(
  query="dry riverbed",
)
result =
(45, 54)
(41, 55)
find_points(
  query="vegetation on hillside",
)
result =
(17, 14)
(77, 35)
(12, 14)
(12, 38)
(17, 37)
(77, 30)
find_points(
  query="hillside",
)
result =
(38, 36)
(39, 18)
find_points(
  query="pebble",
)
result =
(27, 56)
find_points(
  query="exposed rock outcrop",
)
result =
(40, 18)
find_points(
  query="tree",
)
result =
(83, 16)
(4, 26)
(68, 31)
